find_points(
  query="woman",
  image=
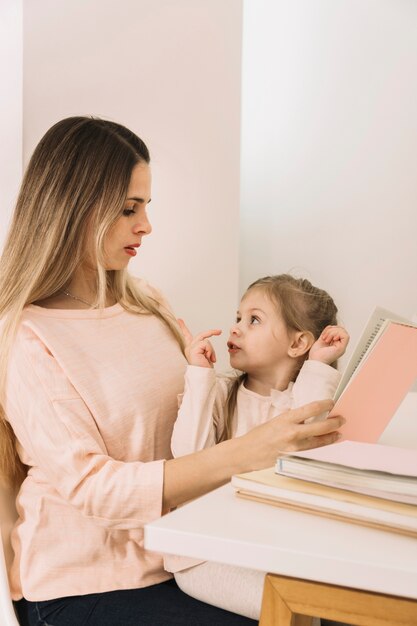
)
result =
(94, 364)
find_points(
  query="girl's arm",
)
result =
(200, 416)
(201, 412)
(315, 381)
(193, 475)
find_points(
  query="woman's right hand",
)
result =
(288, 433)
(190, 476)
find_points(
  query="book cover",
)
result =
(374, 328)
(379, 384)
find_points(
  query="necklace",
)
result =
(70, 295)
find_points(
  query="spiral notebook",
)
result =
(380, 372)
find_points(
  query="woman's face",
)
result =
(125, 236)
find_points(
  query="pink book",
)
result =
(369, 468)
(379, 383)
(365, 456)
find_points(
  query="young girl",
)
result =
(91, 365)
(285, 341)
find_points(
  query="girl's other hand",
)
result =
(330, 345)
(198, 349)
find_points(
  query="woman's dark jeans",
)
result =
(159, 605)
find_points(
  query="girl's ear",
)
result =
(300, 344)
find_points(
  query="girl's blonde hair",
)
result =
(302, 306)
(76, 182)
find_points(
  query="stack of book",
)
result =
(364, 483)
(357, 480)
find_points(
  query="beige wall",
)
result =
(329, 149)
(170, 70)
(11, 108)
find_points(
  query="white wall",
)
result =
(170, 70)
(329, 137)
(329, 149)
(11, 108)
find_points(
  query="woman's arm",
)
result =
(62, 443)
(193, 475)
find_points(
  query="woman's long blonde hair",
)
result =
(302, 306)
(76, 181)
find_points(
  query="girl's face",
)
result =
(259, 340)
(125, 236)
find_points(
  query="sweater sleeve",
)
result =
(60, 441)
(316, 381)
(200, 417)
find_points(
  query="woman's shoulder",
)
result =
(146, 287)
(142, 286)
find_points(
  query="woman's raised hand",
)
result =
(288, 433)
(198, 349)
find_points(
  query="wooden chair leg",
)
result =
(276, 611)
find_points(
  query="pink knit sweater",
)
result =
(92, 398)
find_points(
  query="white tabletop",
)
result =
(222, 527)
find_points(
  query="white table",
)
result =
(297, 548)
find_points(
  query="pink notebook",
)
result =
(365, 456)
(376, 390)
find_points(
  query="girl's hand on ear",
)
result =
(198, 349)
(330, 345)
